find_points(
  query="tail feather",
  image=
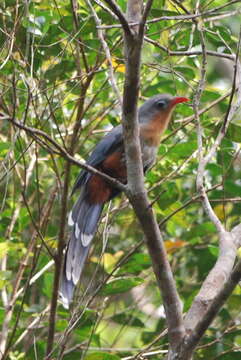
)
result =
(78, 261)
(84, 219)
(66, 291)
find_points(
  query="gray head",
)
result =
(162, 103)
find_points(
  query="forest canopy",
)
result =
(62, 75)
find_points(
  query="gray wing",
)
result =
(110, 142)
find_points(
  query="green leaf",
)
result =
(215, 169)
(233, 355)
(88, 317)
(214, 39)
(234, 133)
(98, 355)
(148, 336)
(182, 150)
(85, 333)
(48, 284)
(120, 285)
(200, 230)
(209, 95)
(4, 148)
(205, 261)
(213, 250)
(234, 302)
(232, 188)
(136, 264)
(127, 319)
(4, 247)
(186, 71)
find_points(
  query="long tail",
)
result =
(84, 220)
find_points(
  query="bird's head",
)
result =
(159, 107)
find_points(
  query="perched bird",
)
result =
(109, 158)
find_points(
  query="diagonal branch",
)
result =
(121, 16)
(230, 242)
(61, 151)
(144, 17)
(189, 52)
(105, 8)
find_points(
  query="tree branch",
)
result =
(221, 281)
(202, 162)
(118, 12)
(214, 281)
(182, 17)
(107, 52)
(144, 18)
(34, 132)
(225, 279)
(64, 207)
(136, 190)
(189, 52)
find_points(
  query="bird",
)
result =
(109, 157)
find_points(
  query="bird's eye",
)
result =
(161, 104)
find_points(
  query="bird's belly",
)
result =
(148, 155)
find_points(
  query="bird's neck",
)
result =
(151, 132)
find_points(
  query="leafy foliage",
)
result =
(54, 74)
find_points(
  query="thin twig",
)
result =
(144, 18)
(107, 52)
(98, 2)
(202, 163)
(66, 155)
(121, 16)
(175, 17)
(189, 52)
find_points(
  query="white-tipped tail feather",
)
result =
(77, 231)
(70, 219)
(83, 219)
(86, 239)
